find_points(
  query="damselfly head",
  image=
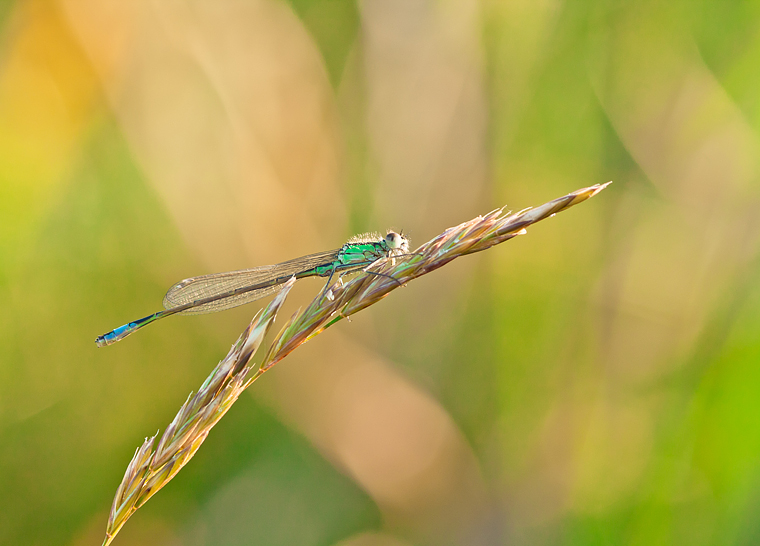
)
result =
(397, 241)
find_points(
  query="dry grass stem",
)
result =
(151, 469)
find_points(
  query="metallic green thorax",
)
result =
(354, 254)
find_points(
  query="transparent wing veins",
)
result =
(220, 285)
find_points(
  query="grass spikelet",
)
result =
(151, 469)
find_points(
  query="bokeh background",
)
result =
(594, 382)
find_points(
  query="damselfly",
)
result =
(220, 291)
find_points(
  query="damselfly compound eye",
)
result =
(393, 240)
(396, 241)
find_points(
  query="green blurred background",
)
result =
(595, 382)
